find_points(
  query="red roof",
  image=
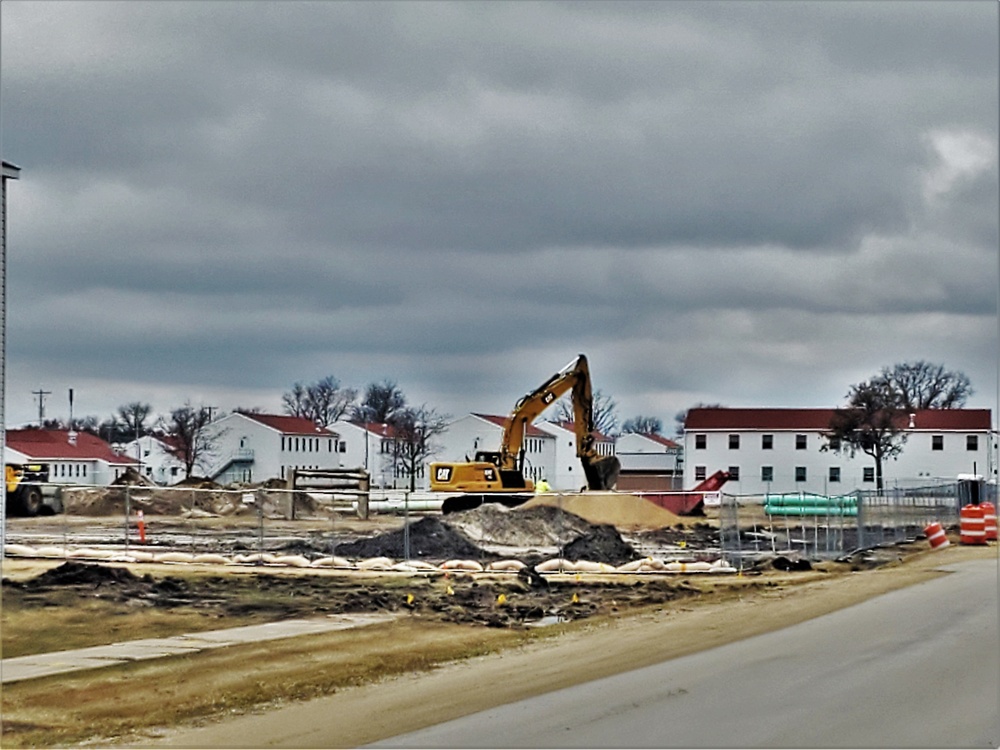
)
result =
(289, 425)
(530, 430)
(46, 445)
(819, 419)
(661, 440)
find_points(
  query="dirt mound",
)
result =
(133, 478)
(176, 500)
(73, 573)
(621, 510)
(539, 526)
(698, 535)
(603, 544)
(429, 537)
(196, 482)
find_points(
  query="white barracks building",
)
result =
(778, 451)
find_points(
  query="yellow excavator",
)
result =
(498, 476)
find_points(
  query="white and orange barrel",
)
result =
(971, 525)
(936, 536)
(989, 521)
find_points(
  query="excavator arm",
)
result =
(498, 476)
(601, 471)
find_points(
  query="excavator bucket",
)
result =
(602, 472)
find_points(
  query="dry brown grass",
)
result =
(116, 701)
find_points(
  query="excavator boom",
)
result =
(600, 471)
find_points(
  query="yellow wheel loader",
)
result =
(25, 489)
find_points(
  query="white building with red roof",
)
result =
(74, 458)
(649, 462)
(369, 446)
(257, 447)
(566, 472)
(779, 450)
(159, 458)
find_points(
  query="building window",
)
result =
(700, 442)
(734, 473)
(868, 475)
(834, 444)
(834, 473)
(972, 442)
(767, 473)
(800, 473)
(800, 442)
(734, 442)
(343, 446)
(937, 442)
(699, 473)
(767, 442)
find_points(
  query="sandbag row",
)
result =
(557, 565)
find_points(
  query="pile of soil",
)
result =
(200, 498)
(429, 538)
(539, 526)
(603, 544)
(73, 573)
(620, 509)
(133, 478)
(697, 536)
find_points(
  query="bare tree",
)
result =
(872, 423)
(381, 403)
(643, 425)
(323, 402)
(923, 385)
(187, 428)
(413, 433)
(604, 412)
(132, 417)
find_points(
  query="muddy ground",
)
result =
(510, 601)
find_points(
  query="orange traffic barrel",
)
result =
(989, 521)
(936, 536)
(972, 525)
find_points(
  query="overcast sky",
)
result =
(746, 203)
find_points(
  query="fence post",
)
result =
(862, 519)
(259, 502)
(128, 512)
(406, 525)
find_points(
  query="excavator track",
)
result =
(461, 503)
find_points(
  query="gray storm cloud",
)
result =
(242, 195)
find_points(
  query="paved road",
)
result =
(919, 667)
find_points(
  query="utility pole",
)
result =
(41, 404)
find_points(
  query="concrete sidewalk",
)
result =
(43, 665)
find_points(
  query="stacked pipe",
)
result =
(805, 504)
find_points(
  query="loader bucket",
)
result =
(602, 472)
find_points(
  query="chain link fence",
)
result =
(823, 527)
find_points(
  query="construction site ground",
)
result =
(406, 644)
